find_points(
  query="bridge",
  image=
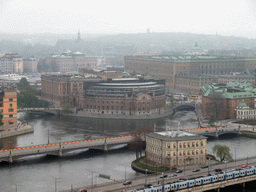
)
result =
(54, 111)
(217, 131)
(188, 106)
(59, 149)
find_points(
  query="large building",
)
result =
(68, 61)
(11, 63)
(176, 148)
(30, 65)
(8, 106)
(168, 67)
(124, 96)
(220, 101)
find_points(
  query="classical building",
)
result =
(30, 65)
(193, 83)
(168, 67)
(129, 96)
(126, 96)
(176, 148)
(104, 74)
(8, 106)
(220, 101)
(244, 112)
(238, 76)
(68, 61)
(12, 60)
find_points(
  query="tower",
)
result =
(78, 36)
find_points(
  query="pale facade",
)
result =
(244, 112)
(30, 65)
(176, 148)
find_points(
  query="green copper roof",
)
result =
(243, 104)
(231, 90)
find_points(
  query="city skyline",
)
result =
(229, 18)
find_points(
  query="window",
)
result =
(10, 99)
(10, 105)
(10, 115)
(10, 110)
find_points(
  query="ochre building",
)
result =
(8, 106)
(176, 148)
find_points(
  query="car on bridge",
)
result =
(127, 183)
(196, 170)
(163, 176)
(179, 171)
(204, 166)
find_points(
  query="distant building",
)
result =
(237, 76)
(13, 60)
(243, 112)
(169, 67)
(68, 61)
(220, 101)
(30, 65)
(6, 66)
(176, 148)
(8, 106)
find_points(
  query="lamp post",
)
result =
(92, 177)
(235, 157)
(124, 171)
(146, 177)
(55, 185)
(225, 166)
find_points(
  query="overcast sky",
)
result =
(224, 17)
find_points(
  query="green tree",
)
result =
(222, 151)
(67, 108)
(23, 83)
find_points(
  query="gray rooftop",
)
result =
(176, 136)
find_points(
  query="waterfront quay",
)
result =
(154, 179)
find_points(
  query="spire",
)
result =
(78, 36)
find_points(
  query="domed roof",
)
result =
(242, 105)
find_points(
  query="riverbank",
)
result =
(166, 113)
(19, 130)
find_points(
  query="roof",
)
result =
(176, 136)
(242, 105)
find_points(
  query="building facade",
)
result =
(193, 83)
(30, 65)
(176, 148)
(67, 62)
(125, 96)
(243, 112)
(168, 67)
(8, 106)
(220, 101)
(11, 60)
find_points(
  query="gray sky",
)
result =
(225, 17)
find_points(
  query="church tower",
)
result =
(78, 36)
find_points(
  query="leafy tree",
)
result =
(222, 151)
(27, 96)
(138, 142)
(23, 83)
(67, 108)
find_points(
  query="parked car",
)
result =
(173, 175)
(196, 170)
(179, 171)
(218, 170)
(204, 166)
(163, 176)
(127, 183)
(148, 185)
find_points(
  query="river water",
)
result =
(40, 172)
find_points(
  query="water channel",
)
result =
(40, 172)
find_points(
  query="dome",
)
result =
(242, 105)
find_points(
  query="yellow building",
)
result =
(176, 148)
(8, 106)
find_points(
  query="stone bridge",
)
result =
(54, 111)
(59, 149)
(217, 131)
(189, 106)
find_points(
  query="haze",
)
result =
(224, 17)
